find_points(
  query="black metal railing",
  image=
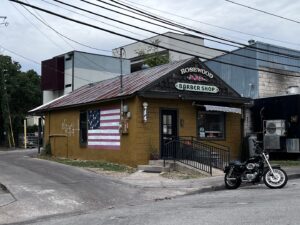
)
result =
(198, 154)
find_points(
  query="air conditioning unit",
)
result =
(275, 127)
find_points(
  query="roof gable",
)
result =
(192, 80)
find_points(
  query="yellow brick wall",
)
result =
(148, 134)
(142, 138)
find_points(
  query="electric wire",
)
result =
(36, 27)
(64, 36)
(36, 62)
(206, 34)
(83, 55)
(135, 39)
(211, 25)
(174, 38)
(124, 24)
(263, 11)
(108, 24)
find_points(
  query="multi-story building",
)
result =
(190, 44)
(273, 71)
(260, 73)
(64, 73)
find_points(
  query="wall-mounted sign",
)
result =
(196, 70)
(196, 87)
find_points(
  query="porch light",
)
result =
(145, 112)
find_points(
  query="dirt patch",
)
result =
(176, 175)
(107, 173)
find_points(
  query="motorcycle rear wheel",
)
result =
(232, 184)
(276, 180)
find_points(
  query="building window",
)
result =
(211, 125)
(83, 128)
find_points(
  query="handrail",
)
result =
(198, 154)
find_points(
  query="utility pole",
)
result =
(122, 51)
(8, 129)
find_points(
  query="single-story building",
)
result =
(127, 121)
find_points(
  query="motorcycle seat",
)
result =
(236, 163)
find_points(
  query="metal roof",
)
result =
(110, 89)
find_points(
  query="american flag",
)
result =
(103, 128)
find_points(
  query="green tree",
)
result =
(152, 56)
(20, 92)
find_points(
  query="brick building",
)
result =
(154, 106)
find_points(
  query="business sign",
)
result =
(196, 70)
(195, 77)
(196, 87)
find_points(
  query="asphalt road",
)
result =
(42, 189)
(253, 205)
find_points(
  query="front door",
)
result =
(168, 128)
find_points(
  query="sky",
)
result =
(29, 41)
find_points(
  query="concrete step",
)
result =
(160, 162)
(153, 168)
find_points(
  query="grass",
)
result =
(286, 162)
(103, 165)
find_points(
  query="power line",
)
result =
(262, 11)
(142, 41)
(149, 22)
(64, 36)
(174, 38)
(90, 18)
(212, 25)
(206, 34)
(41, 20)
(118, 21)
(36, 62)
(137, 27)
(36, 27)
(163, 20)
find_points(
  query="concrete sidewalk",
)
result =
(165, 187)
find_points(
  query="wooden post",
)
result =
(25, 133)
(39, 134)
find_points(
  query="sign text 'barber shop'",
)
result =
(196, 87)
(196, 70)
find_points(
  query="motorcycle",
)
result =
(253, 170)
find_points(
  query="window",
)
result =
(211, 125)
(83, 129)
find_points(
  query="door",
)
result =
(168, 129)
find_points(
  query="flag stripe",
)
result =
(104, 132)
(103, 137)
(114, 117)
(104, 143)
(110, 124)
(112, 111)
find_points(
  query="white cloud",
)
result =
(20, 36)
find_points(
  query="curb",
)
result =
(222, 187)
(293, 176)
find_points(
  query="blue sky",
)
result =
(27, 36)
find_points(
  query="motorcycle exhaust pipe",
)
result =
(231, 178)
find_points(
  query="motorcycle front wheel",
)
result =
(278, 179)
(233, 182)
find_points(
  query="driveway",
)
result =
(42, 188)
